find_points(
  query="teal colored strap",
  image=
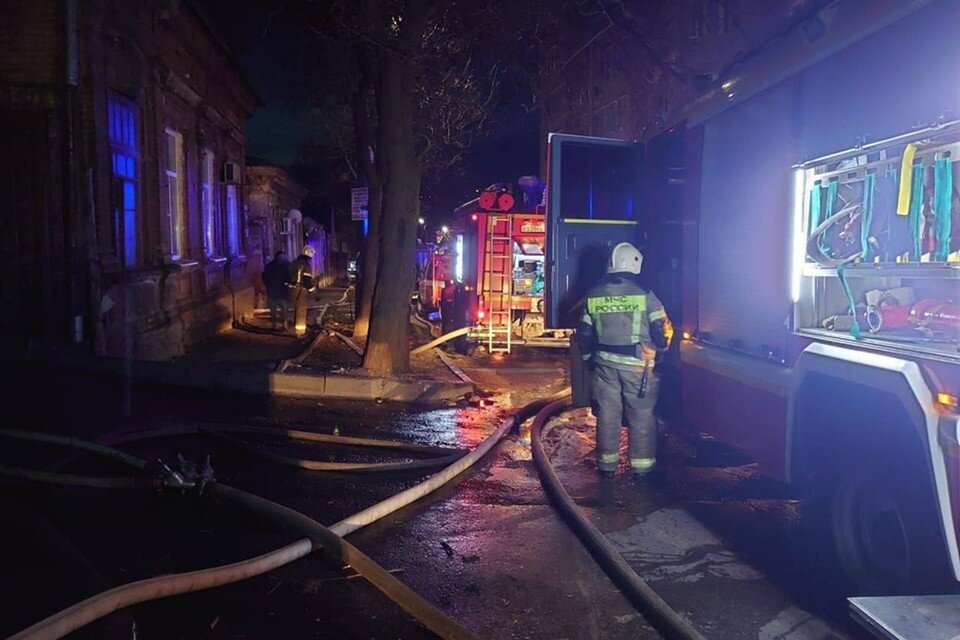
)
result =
(831, 206)
(816, 197)
(942, 202)
(866, 216)
(915, 219)
(831, 198)
(855, 329)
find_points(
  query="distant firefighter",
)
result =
(302, 283)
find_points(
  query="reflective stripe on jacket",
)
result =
(617, 316)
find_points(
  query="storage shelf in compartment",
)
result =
(942, 270)
(942, 351)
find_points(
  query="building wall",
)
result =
(618, 69)
(164, 59)
(30, 34)
(272, 194)
(141, 69)
(37, 251)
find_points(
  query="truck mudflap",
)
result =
(909, 617)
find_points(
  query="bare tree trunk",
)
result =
(365, 125)
(388, 340)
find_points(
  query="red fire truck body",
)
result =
(497, 257)
(812, 203)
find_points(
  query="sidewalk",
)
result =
(247, 361)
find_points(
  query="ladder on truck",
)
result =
(499, 284)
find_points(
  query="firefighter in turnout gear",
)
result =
(622, 328)
(302, 283)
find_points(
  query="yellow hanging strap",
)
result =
(906, 179)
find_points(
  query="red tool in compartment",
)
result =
(939, 315)
(882, 317)
(930, 313)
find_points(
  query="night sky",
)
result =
(288, 65)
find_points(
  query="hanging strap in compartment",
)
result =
(866, 217)
(816, 197)
(907, 178)
(942, 202)
(820, 211)
(915, 218)
(890, 230)
(855, 328)
(831, 198)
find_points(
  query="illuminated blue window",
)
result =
(122, 132)
(233, 220)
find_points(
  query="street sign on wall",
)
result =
(359, 196)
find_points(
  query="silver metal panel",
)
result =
(845, 22)
(909, 617)
(745, 222)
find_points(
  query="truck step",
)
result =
(909, 617)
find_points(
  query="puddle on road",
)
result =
(671, 543)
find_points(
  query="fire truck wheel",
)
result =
(875, 533)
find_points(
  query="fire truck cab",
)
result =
(812, 201)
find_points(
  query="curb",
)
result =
(334, 386)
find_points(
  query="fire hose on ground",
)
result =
(438, 341)
(91, 609)
(442, 456)
(416, 350)
(657, 612)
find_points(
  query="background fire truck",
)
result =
(487, 269)
(811, 201)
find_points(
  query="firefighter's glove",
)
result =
(660, 333)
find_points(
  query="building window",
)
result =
(211, 245)
(610, 119)
(233, 220)
(611, 63)
(122, 133)
(174, 173)
(712, 18)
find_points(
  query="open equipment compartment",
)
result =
(889, 228)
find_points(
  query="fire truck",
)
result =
(492, 253)
(810, 199)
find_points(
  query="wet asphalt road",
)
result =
(490, 549)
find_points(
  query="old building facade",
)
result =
(276, 220)
(619, 69)
(127, 176)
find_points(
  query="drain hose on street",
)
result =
(657, 612)
(91, 609)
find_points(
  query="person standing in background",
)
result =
(274, 277)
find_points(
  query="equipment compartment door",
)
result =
(593, 202)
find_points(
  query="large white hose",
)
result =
(447, 336)
(402, 499)
(414, 493)
(102, 604)
(95, 607)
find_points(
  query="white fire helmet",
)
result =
(308, 250)
(625, 258)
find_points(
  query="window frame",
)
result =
(233, 220)
(124, 223)
(209, 205)
(176, 194)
